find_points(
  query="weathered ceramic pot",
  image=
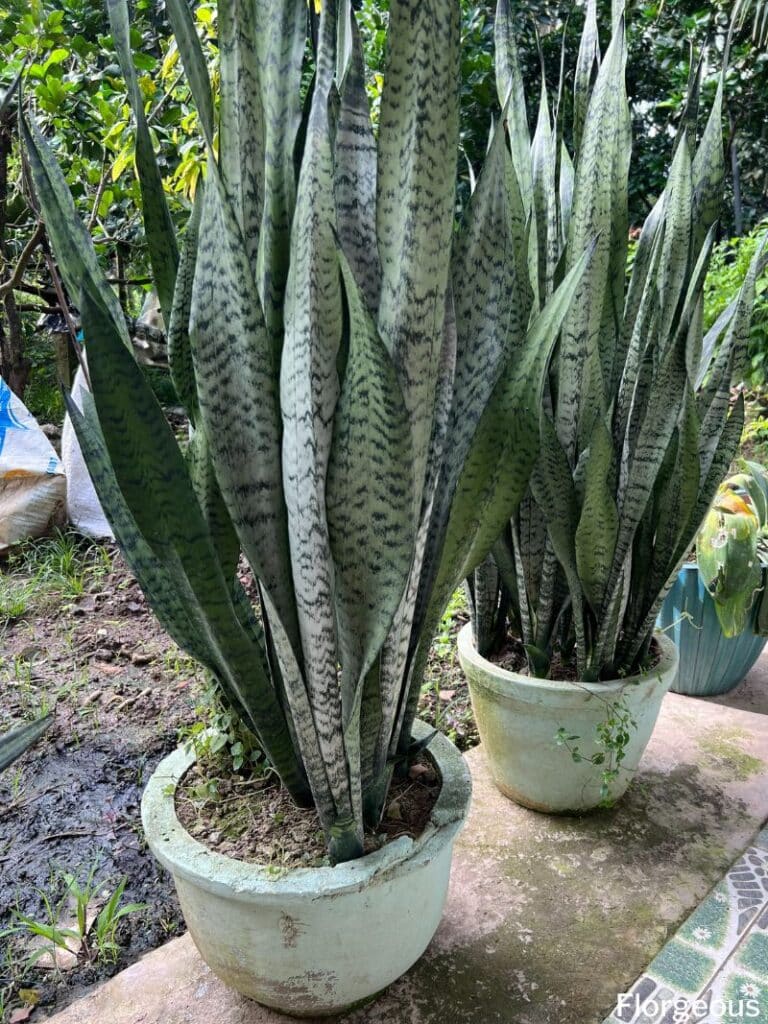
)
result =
(518, 718)
(312, 941)
(710, 662)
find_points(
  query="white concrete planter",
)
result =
(312, 941)
(518, 718)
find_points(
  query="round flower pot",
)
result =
(312, 941)
(518, 718)
(710, 663)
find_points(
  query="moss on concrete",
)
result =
(584, 903)
(726, 754)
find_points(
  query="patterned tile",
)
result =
(718, 924)
(682, 967)
(748, 883)
(714, 925)
(648, 1002)
(715, 969)
(627, 1010)
(752, 955)
(734, 996)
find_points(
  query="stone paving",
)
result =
(549, 918)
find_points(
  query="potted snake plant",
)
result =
(637, 431)
(363, 392)
(716, 611)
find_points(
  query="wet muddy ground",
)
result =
(86, 648)
(77, 639)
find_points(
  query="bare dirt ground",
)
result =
(77, 639)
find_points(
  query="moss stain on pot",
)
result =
(519, 718)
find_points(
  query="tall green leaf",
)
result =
(511, 93)
(544, 161)
(708, 172)
(280, 30)
(153, 481)
(598, 528)
(193, 60)
(179, 350)
(77, 260)
(309, 391)
(599, 210)
(418, 136)
(552, 487)
(369, 481)
(355, 178)
(241, 120)
(587, 63)
(237, 390)
(160, 232)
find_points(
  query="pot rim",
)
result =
(187, 858)
(694, 566)
(688, 567)
(504, 682)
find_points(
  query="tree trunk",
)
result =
(14, 367)
(738, 215)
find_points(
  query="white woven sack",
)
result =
(84, 510)
(32, 484)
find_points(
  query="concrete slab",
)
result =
(752, 693)
(548, 919)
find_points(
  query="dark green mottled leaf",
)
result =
(193, 60)
(158, 226)
(309, 391)
(72, 244)
(511, 93)
(369, 483)
(15, 742)
(179, 351)
(355, 178)
(598, 527)
(418, 142)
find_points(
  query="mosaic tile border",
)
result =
(714, 970)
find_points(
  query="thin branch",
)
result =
(130, 280)
(30, 307)
(14, 280)
(42, 291)
(53, 270)
(99, 192)
(164, 99)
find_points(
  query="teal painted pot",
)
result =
(710, 663)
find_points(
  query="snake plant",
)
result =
(363, 380)
(638, 426)
(16, 741)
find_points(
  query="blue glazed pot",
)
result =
(710, 663)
